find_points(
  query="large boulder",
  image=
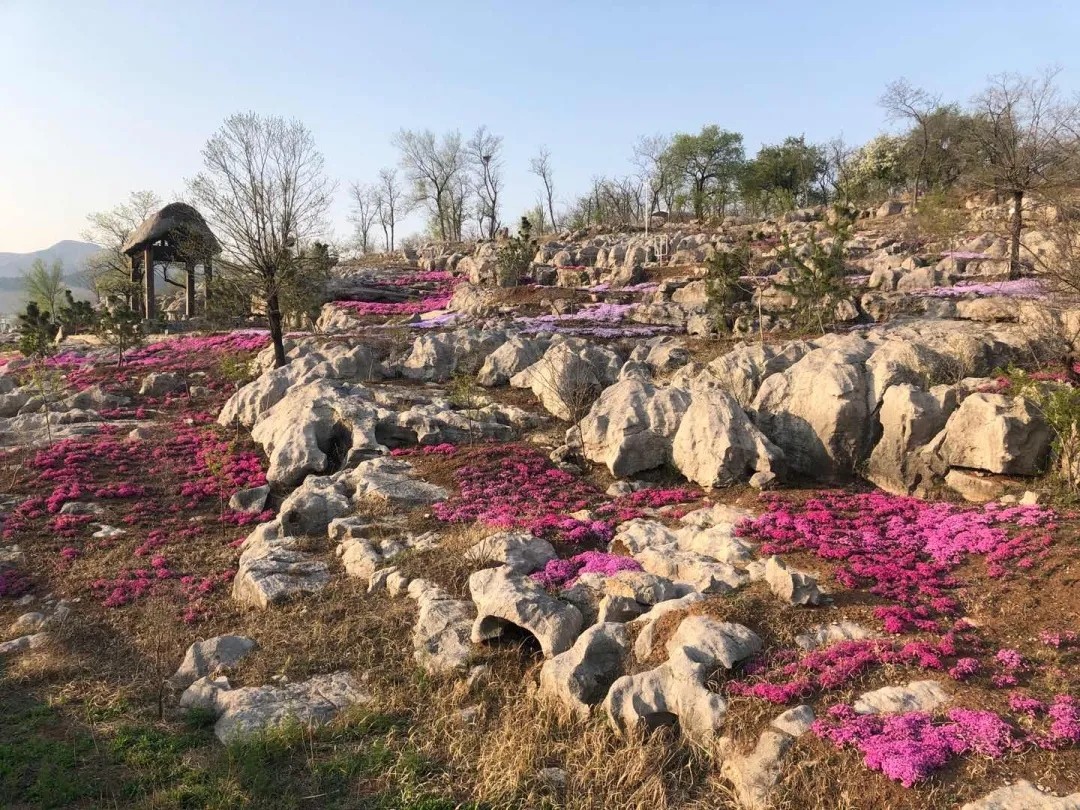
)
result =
(517, 354)
(675, 690)
(570, 376)
(995, 433)
(630, 427)
(442, 634)
(319, 427)
(580, 677)
(716, 444)
(436, 357)
(818, 411)
(504, 598)
(910, 418)
(251, 710)
(273, 569)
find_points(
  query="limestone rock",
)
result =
(519, 551)
(503, 598)
(207, 657)
(630, 427)
(716, 444)
(581, 676)
(917, 696)
(250, 710)
(273, 569)
(996, 433)
(818, 413)
(794, 587)
(1023, 795)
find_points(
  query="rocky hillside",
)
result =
(597, 539)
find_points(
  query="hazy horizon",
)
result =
(106, 100)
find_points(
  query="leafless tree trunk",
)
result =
(390, 204)
(903, 101)
(264, 190)
(541, 167)
(485, 156)
(435, 167)
(1027, 143)
(365, 211)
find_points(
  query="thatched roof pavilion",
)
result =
(175, 234)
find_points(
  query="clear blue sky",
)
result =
(102, 97)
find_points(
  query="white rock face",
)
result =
(676, 688)
(717, 445)
(250, 710)
(818, 411)
(996, 433)
(504, 598)
(630, 427)
(917, 696)
(442, 634)
(570, 375)
(273, 569)
(207, 657)
(580, 677)
(318, 427)
(827, 634)
(312, 506)
(1023, 796)
(517, 354)
(667, 553)
(910, 418)
(436, 357)
(519, 551)
(390, 480)
(793, 587)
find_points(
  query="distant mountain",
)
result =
(73, 254)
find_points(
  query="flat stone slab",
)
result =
(917, 696)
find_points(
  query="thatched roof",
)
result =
(179, 224)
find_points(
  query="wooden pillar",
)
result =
(134, 299)
(189, 302)
(148, 279)
(208, 277)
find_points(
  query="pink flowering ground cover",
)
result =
(168, 493)
(434, 290)
(513, 486)
(915, 558)
(904, 549)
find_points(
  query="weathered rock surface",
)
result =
(716, 444)
(273, 569)
(519, 551)
(676, 689)
(1023, 796)
(207, 657)
(504, 598)
(917, 696)
(570, 376)
(250, 710)
(793, 587)
(631, 426)
(580, 677)
(995, 433)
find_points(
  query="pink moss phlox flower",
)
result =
(559, 574)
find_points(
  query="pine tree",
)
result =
(120, 328)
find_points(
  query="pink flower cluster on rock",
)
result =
(559, 574)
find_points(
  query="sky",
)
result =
(99, 98)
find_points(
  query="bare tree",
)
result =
(652, 157)
(902, 102)
(108, 272)
(434, 168)
(485, 158)
(264, 190)
(364, 213)
(1027, 141)
(391, 203)
(541, 167)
